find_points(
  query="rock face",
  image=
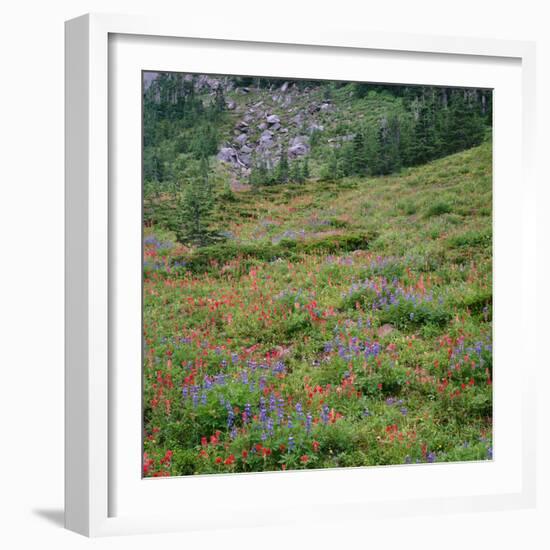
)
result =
(299, 146)
(266, 137)
(241, 139)
(242, 126)
(227, 154)
(266, 124)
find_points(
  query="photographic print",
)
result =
(317, 274)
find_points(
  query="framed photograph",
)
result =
(297, 275)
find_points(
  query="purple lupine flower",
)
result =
(404, 411)
(230, 415)
(325, 414)
(431, 457)
(279, 367)
(308, 423)
(280, 408)
(291, 444)
(263, 410)
(490, 453)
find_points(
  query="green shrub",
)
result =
(438, 209)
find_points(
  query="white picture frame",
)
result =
(105, 494)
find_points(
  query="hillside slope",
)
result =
(341, 323)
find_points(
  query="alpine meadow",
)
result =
(317, 274)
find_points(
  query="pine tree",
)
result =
(372, 151)
(388, 139)
(424, 143)
(330, 170)
(296, 174)
(282, 172)
(219, 101)
(465, 125)
(195, 210)
(305, 170)
(359, 159)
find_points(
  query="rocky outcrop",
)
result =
(263, 128)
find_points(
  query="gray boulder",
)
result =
(299, 140)
(227, 154)
(242, 126)
(297, 150)
(266, 136)
(241, 139)
(244, 160)
(273, 119)
(299, 146)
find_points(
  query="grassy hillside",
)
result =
(340, 323)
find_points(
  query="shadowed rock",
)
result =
(241, 139)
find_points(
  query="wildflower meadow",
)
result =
(323, 320)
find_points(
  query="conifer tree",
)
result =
(195, 210)
(359, 159)
(282, 172)
(465, 125)
(296, 172)
(305, 170)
